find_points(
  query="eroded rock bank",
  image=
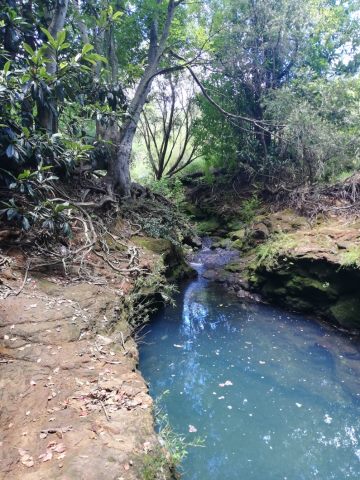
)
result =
(304, 262)
(74, 405)
(309, 268)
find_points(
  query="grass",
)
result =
(154, 465)
(173, 450)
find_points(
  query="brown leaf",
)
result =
(59, 448)
(45, 457)
(25, 458)
(147, 447)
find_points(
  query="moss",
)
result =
(271, 290)
(234, 225)
(209, 226)
(298, 304)
(159, 246)
(347, 311)
(238, 245)
(224, 243)
(176, 267)
(311, 287)
(237, 234)
(181, 272)
(115, 245)
(234, 267)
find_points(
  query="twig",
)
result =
(17, 292)
(103, 407)
(123, 343)
(112, 362)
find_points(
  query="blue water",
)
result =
(274, 395)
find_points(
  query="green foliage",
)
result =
(154, 465)
(27, 91)
(282, 64)
(159, 218)
(33, 183)
(30, 207)
(320, 137)
(250, 208)
(174, 446)
(351, 257)
(171, 188)
(267, 254)
(137, 306)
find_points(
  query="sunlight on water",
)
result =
(274, 395)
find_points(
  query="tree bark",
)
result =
(47, 111)
(119, 168)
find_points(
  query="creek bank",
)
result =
(74, 404)
(299, 248)
(311, 268)
(285, 259)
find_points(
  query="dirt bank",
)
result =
(74, 405)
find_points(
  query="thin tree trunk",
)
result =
(119, 168)
(47, 111)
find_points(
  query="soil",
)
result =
(74, 405)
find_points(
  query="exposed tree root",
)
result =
(92, 217)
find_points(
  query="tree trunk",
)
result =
(119, 168)
(47, 111)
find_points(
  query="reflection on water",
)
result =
(194, 314)
(274, 395)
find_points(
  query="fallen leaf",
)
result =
(25, 458)
(147, 447)
(59, 448)
(45, 457)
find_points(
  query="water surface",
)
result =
(274, 395)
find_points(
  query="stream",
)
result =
(273, 395)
